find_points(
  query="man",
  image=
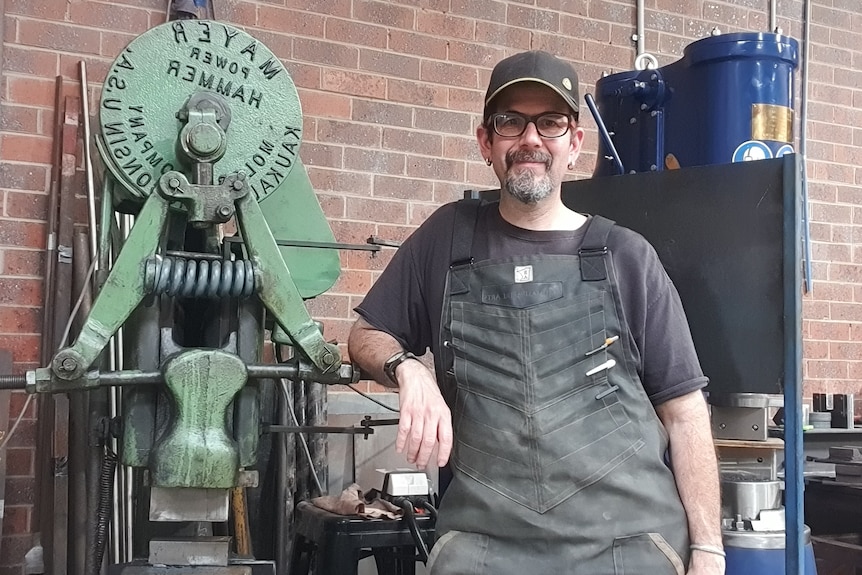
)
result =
(581, 437)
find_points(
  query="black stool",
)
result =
(335, 544)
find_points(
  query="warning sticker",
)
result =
(784, 150)
(750, 151)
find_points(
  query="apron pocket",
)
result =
(502, 353)
(550, 455)
(646, 553)
(458, 553)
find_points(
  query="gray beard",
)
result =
(526, 188)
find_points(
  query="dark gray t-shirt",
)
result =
(406, 301)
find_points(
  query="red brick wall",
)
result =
(391, 93)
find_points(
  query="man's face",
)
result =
(530, 167)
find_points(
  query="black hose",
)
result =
(13, 381)
(410, 517)
(432, 511)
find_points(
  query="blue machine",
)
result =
(729, 98)
(762, 553)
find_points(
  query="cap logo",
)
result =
(567, 83)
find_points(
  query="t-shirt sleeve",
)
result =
(398, 302)
(668, 363)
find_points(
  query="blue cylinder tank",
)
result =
(762, 553)
(729, 98)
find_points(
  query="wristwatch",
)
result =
(393, 362)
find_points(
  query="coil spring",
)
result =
(103, 508)
(183, 277)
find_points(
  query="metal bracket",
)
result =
(278, 291)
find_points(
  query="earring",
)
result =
(571, 166)
(488, 161)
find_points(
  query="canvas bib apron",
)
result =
(554, 471)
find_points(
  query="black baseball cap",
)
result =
(535, 66)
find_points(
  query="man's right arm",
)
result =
(424, 421)
(370, 348)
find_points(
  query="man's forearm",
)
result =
(425, 423)
(694, 465)
(369, 348)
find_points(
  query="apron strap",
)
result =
(593, 249)
(466, 214)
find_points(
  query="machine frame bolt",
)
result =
(225, 211)
(67, 365)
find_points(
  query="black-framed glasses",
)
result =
(513, 124)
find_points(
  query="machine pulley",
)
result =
(197, 78)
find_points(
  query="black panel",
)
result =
(719, 232)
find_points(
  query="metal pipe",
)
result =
(50, 503)
(106, 224)
(97, 378)
(773, 15)
(605, 135)
(316, 414)
(793, 446)
(118, 493)
(100, 464)
(304, 470)
(78, 425)
(643, 60)
(48, 348)
(88, 161)
(80, 273)
(285, 481)
(803, 147)
(120, 541)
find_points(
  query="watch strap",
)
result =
(393, 362)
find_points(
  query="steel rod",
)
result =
(603, 132)
(641, 42)
(48, 349)
(13, 381)
(773, 15)
(78, 423)
(285, 482)
(793, 445)
(803, 146)
(88, 162)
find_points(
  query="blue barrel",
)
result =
(729, 98)
(762, 553)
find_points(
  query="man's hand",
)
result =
(425, 420)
